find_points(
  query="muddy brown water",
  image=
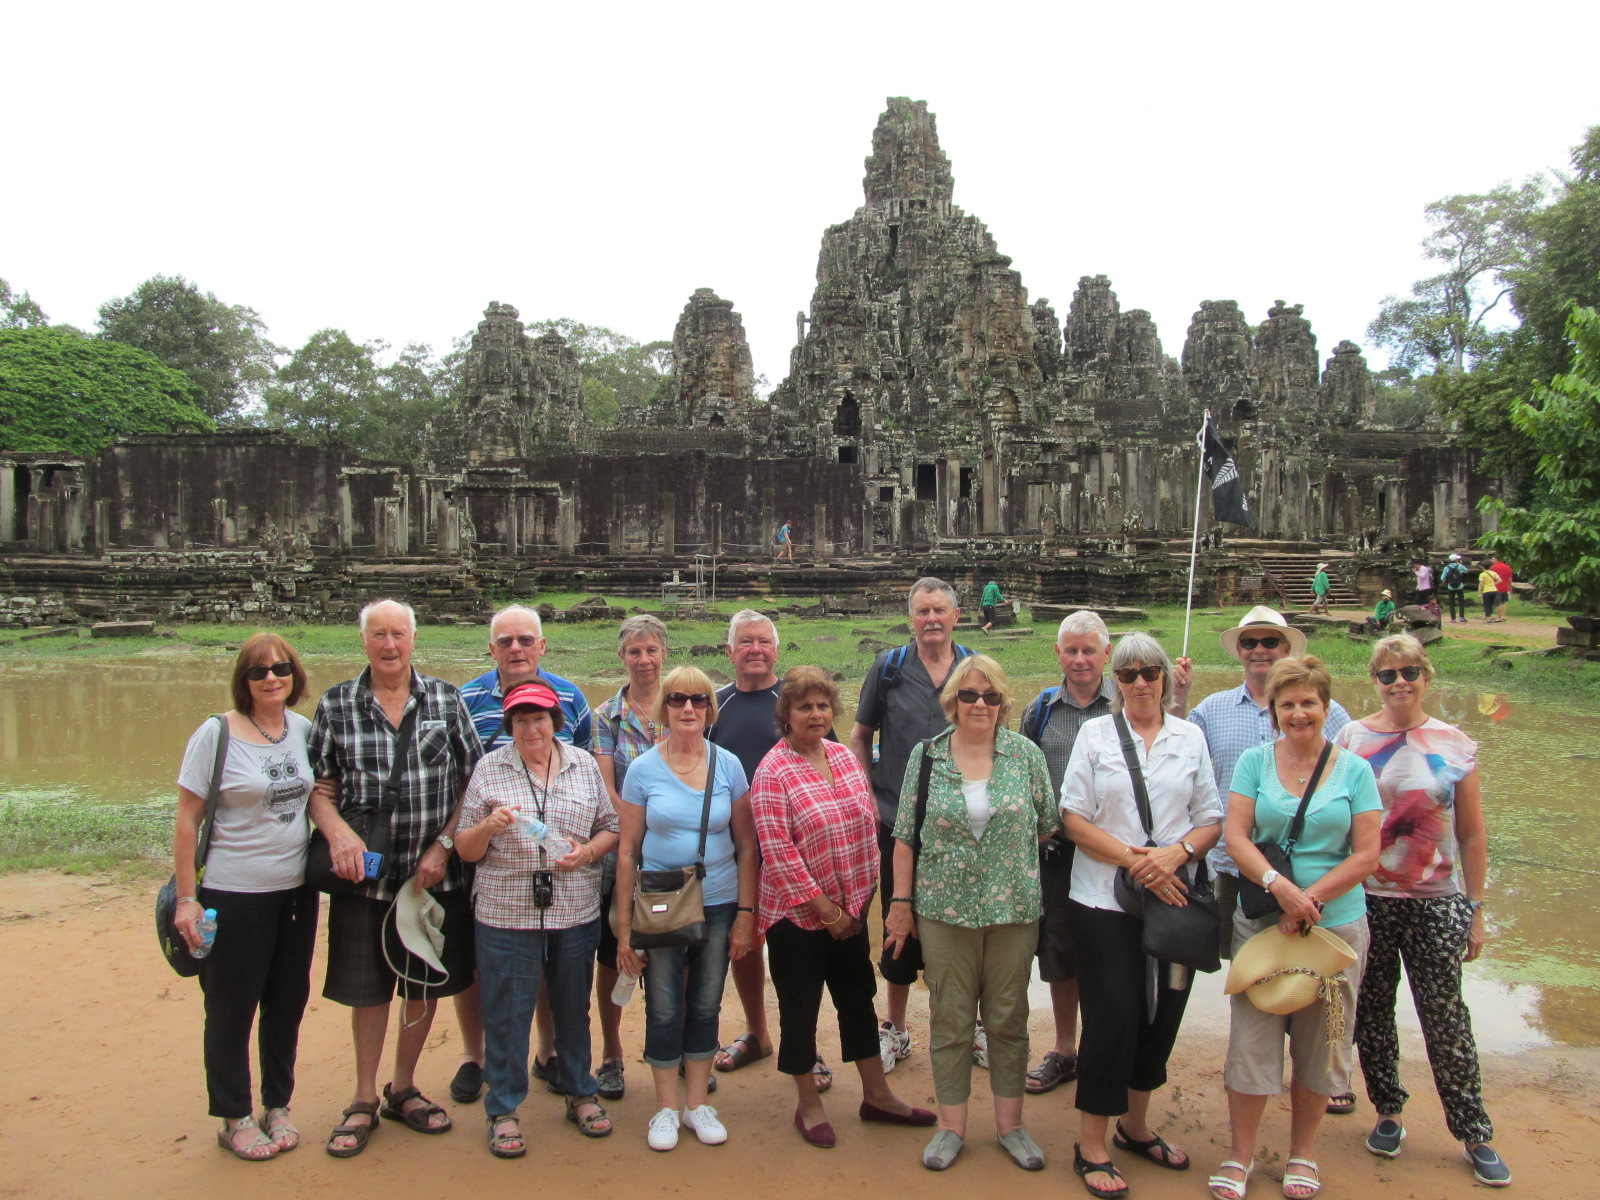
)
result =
(114, 733)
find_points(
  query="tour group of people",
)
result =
(514, 825)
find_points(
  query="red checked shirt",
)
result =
(815, 839)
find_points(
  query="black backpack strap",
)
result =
(705, 809)
(889, 673)
(1034, 729)
(1141, 797)
(212, 793)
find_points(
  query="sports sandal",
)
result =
(1293, 1178)
(360, 1133)
(612, 1086)
(741, 1052)
(823, 1074)
(1084, 1168)
(261, 1148)
(1235, 1188)
(1342, 1105)
(506, 1145)
(280, 1129)
(394, 1109)
(1056, 1069)
(590, 1126)
(1156, 1150)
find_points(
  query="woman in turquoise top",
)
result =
(1337, 850)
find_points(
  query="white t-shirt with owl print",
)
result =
(258, 843)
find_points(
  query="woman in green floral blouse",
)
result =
(972, 896)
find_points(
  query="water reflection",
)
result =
(115, 732)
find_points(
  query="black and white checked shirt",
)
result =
(353, 742)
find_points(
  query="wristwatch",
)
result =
(1188, 848)
(1270, 878)
(445, 840)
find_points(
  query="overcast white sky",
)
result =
(389, 169)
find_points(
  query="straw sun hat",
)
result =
(1263, 620)
(1282, 973)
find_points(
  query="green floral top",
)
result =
(960, 879)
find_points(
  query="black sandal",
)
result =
(1123, 1142)
(394, 1109)
(1342, 1105)
(359, 1132)
(1084, 1168)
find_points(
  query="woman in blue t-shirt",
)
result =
(663, 797)
(1337, 850)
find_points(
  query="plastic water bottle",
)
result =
(623, 992)
(206, 927)
(532, 826)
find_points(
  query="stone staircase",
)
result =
(1290, 576)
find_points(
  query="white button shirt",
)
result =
(1097, 787)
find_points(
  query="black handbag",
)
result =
(668, 906)
(173, 948)
(372, 825)
(1184, 934)
(1254, 900)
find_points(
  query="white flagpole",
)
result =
(1194, 542)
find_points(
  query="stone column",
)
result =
(669, 523)
(346, 516)
(819, 533)
(716, 528)
(866, 528)
(8, 502)
(989, 482)
(566, 523)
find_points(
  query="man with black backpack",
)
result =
(1455, 577)
(900, 705)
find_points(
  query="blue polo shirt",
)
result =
(486, 702)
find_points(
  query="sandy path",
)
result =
(104, 1097)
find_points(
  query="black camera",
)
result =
(544, 889)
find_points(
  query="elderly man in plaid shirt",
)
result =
(354, 739)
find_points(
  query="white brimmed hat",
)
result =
(419, 920)
(1282, 973)
(1268, 620)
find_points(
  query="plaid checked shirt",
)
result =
(352, 741)
(576, 807)
(814, 839)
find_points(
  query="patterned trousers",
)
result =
(1428, 936)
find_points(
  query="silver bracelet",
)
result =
(186, 899)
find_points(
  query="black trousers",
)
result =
(261, 961)
(1458, 604)
(801, 962)
(1120, 1047)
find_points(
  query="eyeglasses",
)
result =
(1389, 674)
(1266, 643)
(522, 639)
(678, 699)
(1148, 674)
(260, 671)
(971, 696)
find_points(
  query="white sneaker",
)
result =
(707, 1128)
(980, 1047)
(664, 1130)
(893, 1045)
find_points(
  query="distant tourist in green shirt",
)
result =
(1384, 613)
(1319, 589)
(992, 599)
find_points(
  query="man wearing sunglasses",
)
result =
(1236, 719)
(517, 645)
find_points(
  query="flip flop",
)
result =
(1342, 1105)
(1083, 1168)
(741, 1052)
(823, 1074)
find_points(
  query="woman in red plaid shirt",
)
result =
(817, 823)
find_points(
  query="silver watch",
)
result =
(1188, 848)
(445, 840)
(1270, 878)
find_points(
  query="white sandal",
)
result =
(1237, 1187)
(1295, 1179)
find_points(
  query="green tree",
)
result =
(18, 311)
(1557, 544)
(61, 391)
(223, 348)
(1479, 239)
(618, 372)
(335, 390)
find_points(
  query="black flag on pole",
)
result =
(1228, 499)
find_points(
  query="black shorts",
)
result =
(988, 614)
(905, 968)
(358, 973)
(1058, 954)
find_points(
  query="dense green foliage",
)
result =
(62, 391)
(18, 310)
(1557, 544)
(223, 348)
(618, 372)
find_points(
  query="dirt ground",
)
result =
(104, 1097)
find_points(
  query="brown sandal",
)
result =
(500, 1144)
(589, 1126)
(361, 1133)
(394, 1109)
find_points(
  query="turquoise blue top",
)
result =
(1347, 788)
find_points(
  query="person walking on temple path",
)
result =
(745, 725)
(1424, 575)
(1320, 587)
(992, 599)
(517, 645)
(900, 706)
(785, 543)
(360, 727)
(1237, 719)
(1051, 722)
(1454, 578)
(1489, 590)
(1502, 586)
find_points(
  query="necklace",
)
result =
(676, 770)
(273, 740)
(1292, 767)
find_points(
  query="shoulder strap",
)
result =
(889, 673)
(1297, 826)
(705, 809)
(963, 651)
(1041, 714)
(924, 770)
(390, 796)
(212, 793)
(1131, 754)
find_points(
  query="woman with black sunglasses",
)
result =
(972, 897)
(1131, 1006)
(1421, 909)
(663, 798)
(254, 877)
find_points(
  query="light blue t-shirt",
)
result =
(1346, 789)
(672, 819)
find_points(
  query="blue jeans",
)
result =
(510, 963)
(681, 1013)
